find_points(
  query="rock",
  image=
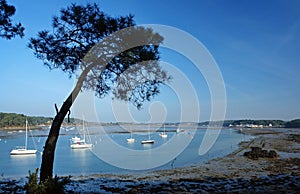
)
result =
(273, 154)
(133, 190)
(257, 152)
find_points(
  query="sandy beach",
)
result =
(232, 173)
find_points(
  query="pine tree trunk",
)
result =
(50, 145)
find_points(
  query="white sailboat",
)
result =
(163, 135)
(81, 145)
(148, 141)
(78, 143)
(22, 150)
(131, 139)
(75, 139)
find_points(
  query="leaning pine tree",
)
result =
(111, 54)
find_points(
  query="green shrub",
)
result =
(51, 185)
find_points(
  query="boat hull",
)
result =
(81, 146)
(22, 152)
(163, 135)
(147, 142)
(130, 140)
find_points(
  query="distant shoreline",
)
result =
(14, 121)
(14, 128)
(43, 127)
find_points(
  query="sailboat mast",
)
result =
(83, 128)
(26, 125)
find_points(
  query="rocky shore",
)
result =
(232, 173)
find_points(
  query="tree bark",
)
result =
(50, 145)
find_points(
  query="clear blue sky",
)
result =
(256, 45)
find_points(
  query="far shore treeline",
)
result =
(14, 120)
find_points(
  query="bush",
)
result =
(293, 124)
(51, 185)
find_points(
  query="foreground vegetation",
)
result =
(50, 185)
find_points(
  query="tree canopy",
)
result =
(78, 29)
(9, 30)
(293, 124)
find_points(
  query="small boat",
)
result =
(75, 139)
(78, 143)
(22, 150)
(148, 141)
(179, 130)
(81, 145)
(131, 139)
(163, 135)
(71, 128)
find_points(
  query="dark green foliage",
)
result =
(78, 29)
(18, 120)
(74, 33)
(51, 185)
(9, 30)
(8, 119)
(293, 124)
(32, 185)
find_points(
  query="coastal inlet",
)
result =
(70, 161)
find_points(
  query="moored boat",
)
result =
(81, 145)
(22, 150)
(149, 141)
(78, 143)
(130, 140)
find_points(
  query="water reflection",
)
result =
(81, 156)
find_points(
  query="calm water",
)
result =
(77, 162)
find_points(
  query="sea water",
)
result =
(85, 161)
